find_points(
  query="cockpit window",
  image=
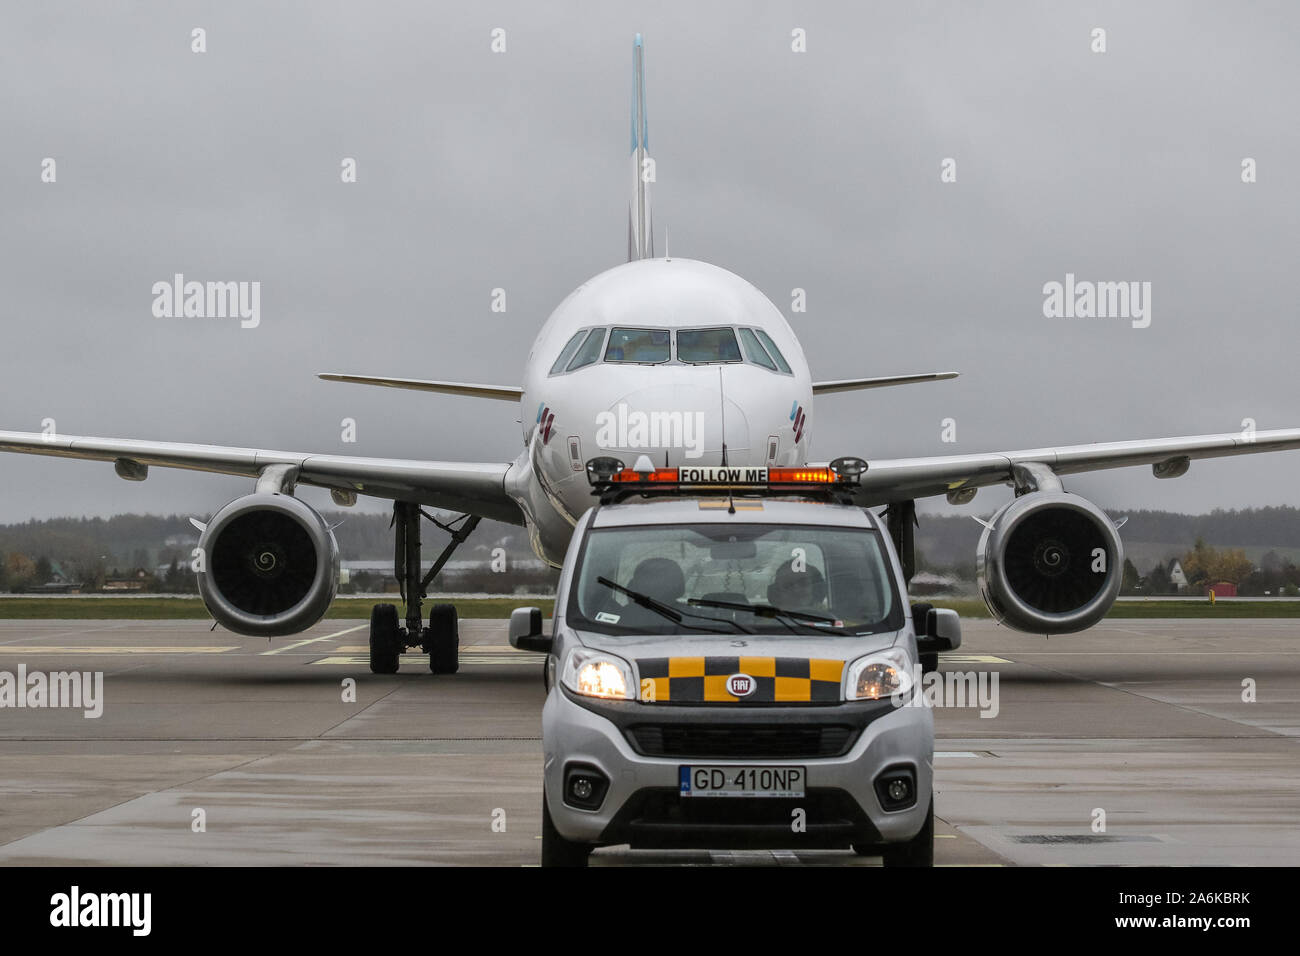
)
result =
(774, 351)
(590, 351)
(644, 346)
(567, 353)
(707, 345)
(754, 351)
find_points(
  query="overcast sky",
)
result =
(818, 170)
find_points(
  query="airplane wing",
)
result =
(957, 476)
(882, 381)
(477, 488)
(505, 393)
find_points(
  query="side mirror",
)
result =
(942, 630)
(526, 630)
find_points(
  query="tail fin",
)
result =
(640, 223)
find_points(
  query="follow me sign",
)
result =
(721, 476)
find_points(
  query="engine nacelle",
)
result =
(271, 565)
(1050, 563)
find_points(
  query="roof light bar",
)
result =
(610, 472)
(602, 470)
(848, 467)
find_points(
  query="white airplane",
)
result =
(672, 359)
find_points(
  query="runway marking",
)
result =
(313, 640)
(146, 649)
(464, 649)
(112, 626)
(357, 661)
(1159, 653)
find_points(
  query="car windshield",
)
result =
(804, 580)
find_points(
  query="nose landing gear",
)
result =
(441, 639)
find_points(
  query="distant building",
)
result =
(58, 583)
(135, 581)
(56, 586)
(1176, 576)
(1223, 589)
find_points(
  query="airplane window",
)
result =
(647, 346)
(567, 354)
(755, 351)
(773, 350)
(590, 351)
(707, 345)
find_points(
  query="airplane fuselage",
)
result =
(675, 359)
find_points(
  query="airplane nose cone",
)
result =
(674, 424)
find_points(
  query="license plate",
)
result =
(741, 781)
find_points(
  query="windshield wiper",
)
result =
(767, 610)
(665, 610)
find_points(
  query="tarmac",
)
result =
(1153, 742)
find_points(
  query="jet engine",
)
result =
(1050, 563)
(271, 565)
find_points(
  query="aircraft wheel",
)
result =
(385, 649)
(442, 642)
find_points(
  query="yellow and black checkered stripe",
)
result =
(704, 679)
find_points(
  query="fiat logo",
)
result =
(741, 685)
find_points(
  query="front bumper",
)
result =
(639, 748)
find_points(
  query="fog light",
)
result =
(896, 788)
(584, 787)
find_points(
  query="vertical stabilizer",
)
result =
(640, 223)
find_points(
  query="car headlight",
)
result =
(597, 674)
(878, 676)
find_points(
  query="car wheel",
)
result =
(918, 851)
(556, 850)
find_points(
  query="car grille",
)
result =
(732, 741)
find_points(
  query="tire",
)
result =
(918, 851)
(385, 654)
(443, 640)
(557, 851)
(929, 663)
